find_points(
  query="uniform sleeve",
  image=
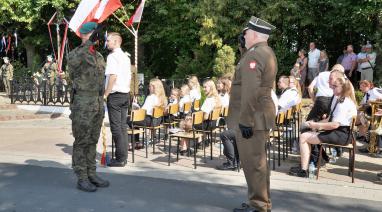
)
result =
(11, 72)
(250, 70)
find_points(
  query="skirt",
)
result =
(339, 136)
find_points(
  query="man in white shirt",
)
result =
(118, 76)
(313, 57)
(366, 62)
(322, 98)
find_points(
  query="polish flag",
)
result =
(136, 18)
(92, 10)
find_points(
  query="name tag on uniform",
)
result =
(252, 65)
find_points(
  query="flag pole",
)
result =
(115, 16)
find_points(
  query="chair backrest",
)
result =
(214, 114)
(173, 109)
(138, 115)
(225, 111)
(289, 114)
(197, 117)
(280, 118)
(187, 107)
(196, 104)
(158, 112)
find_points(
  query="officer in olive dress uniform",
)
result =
(86, 71)
(252, 112)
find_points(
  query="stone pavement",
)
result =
(26, 145)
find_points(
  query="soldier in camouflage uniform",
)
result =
(49, 70)
(86, 71)
(6, 72)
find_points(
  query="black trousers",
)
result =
(117, 104)
(321, 106)
(230, 149)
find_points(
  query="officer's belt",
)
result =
(88, 93)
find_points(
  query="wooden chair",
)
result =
(197, 119)
(196, 105)
(223, 115)
(276, 133)
(351, 147)
(136, 116)
(158, 113)
(171, 121)
(212, 118)
(186, 110)
(288, 130)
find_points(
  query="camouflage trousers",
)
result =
(86, 127)
(7, 85)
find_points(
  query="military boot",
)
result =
(86, 185)
(99, 182)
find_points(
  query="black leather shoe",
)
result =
(226, 166)
(245, 208)
(299, 173)
(295, 168)
(99, 182)
(86, 185)
(363, 150)
(115, 163)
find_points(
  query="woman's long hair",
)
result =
(193, 82)
(213, 92)
(347, 89)
(297, 85)
(159, 92)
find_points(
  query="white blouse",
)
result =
(150, 102)
(289, 99)
(183, 100)
(208, 105)
(195, 94)
(343, 112)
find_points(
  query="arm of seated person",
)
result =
(323, 125)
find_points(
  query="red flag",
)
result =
(136, 17)
(92, 10)
(106, 8)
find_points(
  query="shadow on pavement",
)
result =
(34, 188)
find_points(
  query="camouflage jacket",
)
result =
(49, 70)
(6, 71)
(86, 72)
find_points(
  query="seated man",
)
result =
(289, 96)
(335, 129)
(230, 150)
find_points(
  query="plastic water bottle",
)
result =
(312, 170)
(334, 155)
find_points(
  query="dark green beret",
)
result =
(88, 27)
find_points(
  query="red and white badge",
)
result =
(252, 65)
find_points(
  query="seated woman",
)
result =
(289, 96)
(185, 98)
(371, 94)
(156, 98)
(194, 85)
(336, 128)
(211, 102)
(172, 100)
(223, 86)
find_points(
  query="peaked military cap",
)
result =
(259, 25)
(88, 27)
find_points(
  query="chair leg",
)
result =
(353, 166)
(177, 150)
(112, 148)
(195, 153)
(169, 150)
(211, 144)
(279, 147)
(319, 162)
(220, 144)
(132, 146)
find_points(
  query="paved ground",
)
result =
(35, 175)
(34, 188)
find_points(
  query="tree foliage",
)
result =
(182, 37)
